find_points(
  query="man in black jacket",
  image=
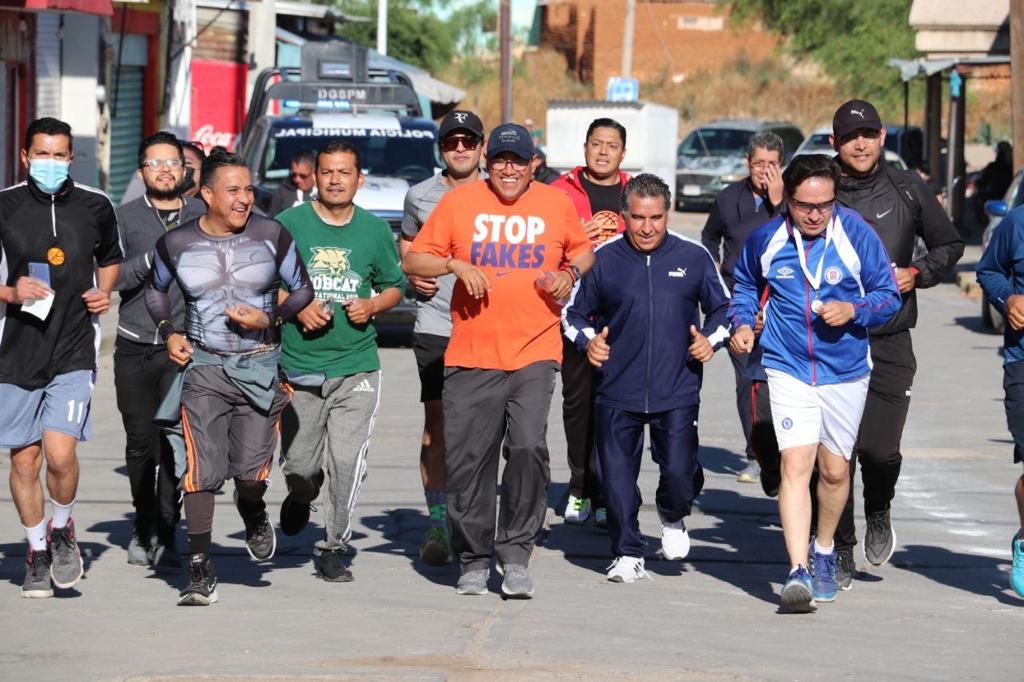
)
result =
(142, 370)
(300, 185)
(60, 258)
(740, 209)
(901, 208)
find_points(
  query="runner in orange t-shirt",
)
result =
(517, 248)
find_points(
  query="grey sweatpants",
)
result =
(482, 407)
(326, 431)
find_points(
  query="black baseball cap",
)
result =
(511, 137)
(461, 120)
(854, 115)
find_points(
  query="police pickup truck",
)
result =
(336, 96)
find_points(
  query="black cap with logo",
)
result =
(855, 115)
(511, 137)
(461, 120)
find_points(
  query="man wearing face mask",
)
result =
(901, 208)
(740, 209)
(194, 157)
(142, 370)
(61, 258)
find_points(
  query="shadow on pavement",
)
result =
(12, 565)
(720, 461)
(973, 323)
(403, 531)
(981, 575)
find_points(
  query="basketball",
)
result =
(55, 256)
(609, 222)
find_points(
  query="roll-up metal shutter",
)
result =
(125, 129)
(48, 100)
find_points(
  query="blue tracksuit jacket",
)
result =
(796, 341)
(648, 302)
(1001, 275)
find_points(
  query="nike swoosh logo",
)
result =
(502, 274)
(879, 216)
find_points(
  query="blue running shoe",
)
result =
(824, 575)
(798, 593)
(1017, 570)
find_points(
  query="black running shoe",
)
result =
(37, 583)
(294, 515)
(845, 567)
(332, 568)
(879, 538)
(202, 582)
(260, 539)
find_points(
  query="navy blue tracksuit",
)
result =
(648, 302)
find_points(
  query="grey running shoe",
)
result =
(517, 583)
(37, 583)
(202, 582)
(879, 538)
(473, 582)
(260, 539)
(332, 568)
(435, 550)
(750, 473)
(166, 557)
(67, 567)
(845, 567)
(138, 553)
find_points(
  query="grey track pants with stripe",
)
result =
(325, 434)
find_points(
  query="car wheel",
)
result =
(992, 318)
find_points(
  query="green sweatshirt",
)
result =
(353, 260)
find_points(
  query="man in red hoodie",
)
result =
(595, 190)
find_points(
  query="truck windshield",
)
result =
(716, 142)
(410, 154)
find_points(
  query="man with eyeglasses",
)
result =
(460, 139)
(901, 208)
(828, 279)
(517, 248)
(300, 185)
(738, 210)
(142, 370)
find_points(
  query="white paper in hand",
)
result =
(39, 307)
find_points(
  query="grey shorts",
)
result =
(61, 406)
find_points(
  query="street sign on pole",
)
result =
(622, 89)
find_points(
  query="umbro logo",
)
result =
(363, 387)
(785, 272)
(678, 272)
(858, 113)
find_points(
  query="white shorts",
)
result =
(829, 414)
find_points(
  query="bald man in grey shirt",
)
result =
(460, 139)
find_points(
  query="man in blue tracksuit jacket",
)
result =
(636, 315)
(828, 279)
(1001, 276)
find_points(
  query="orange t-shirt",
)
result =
(515, 324)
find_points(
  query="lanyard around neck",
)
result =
(813, 280)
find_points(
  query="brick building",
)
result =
(678, 38)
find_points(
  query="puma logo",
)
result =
(859, 113)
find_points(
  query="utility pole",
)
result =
(1017, 80)
(382, 26)
(505, 39)
(627, 40)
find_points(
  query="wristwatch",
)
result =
(574, 271)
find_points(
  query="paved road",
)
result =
(940, 610)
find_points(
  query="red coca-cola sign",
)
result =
(218, 102)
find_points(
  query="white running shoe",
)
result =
(675, 541)
(577, 510)
(627, 569)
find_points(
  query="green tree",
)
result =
(852, 40)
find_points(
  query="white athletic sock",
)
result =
(61, 513)
(36, 536)
(824, 550)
